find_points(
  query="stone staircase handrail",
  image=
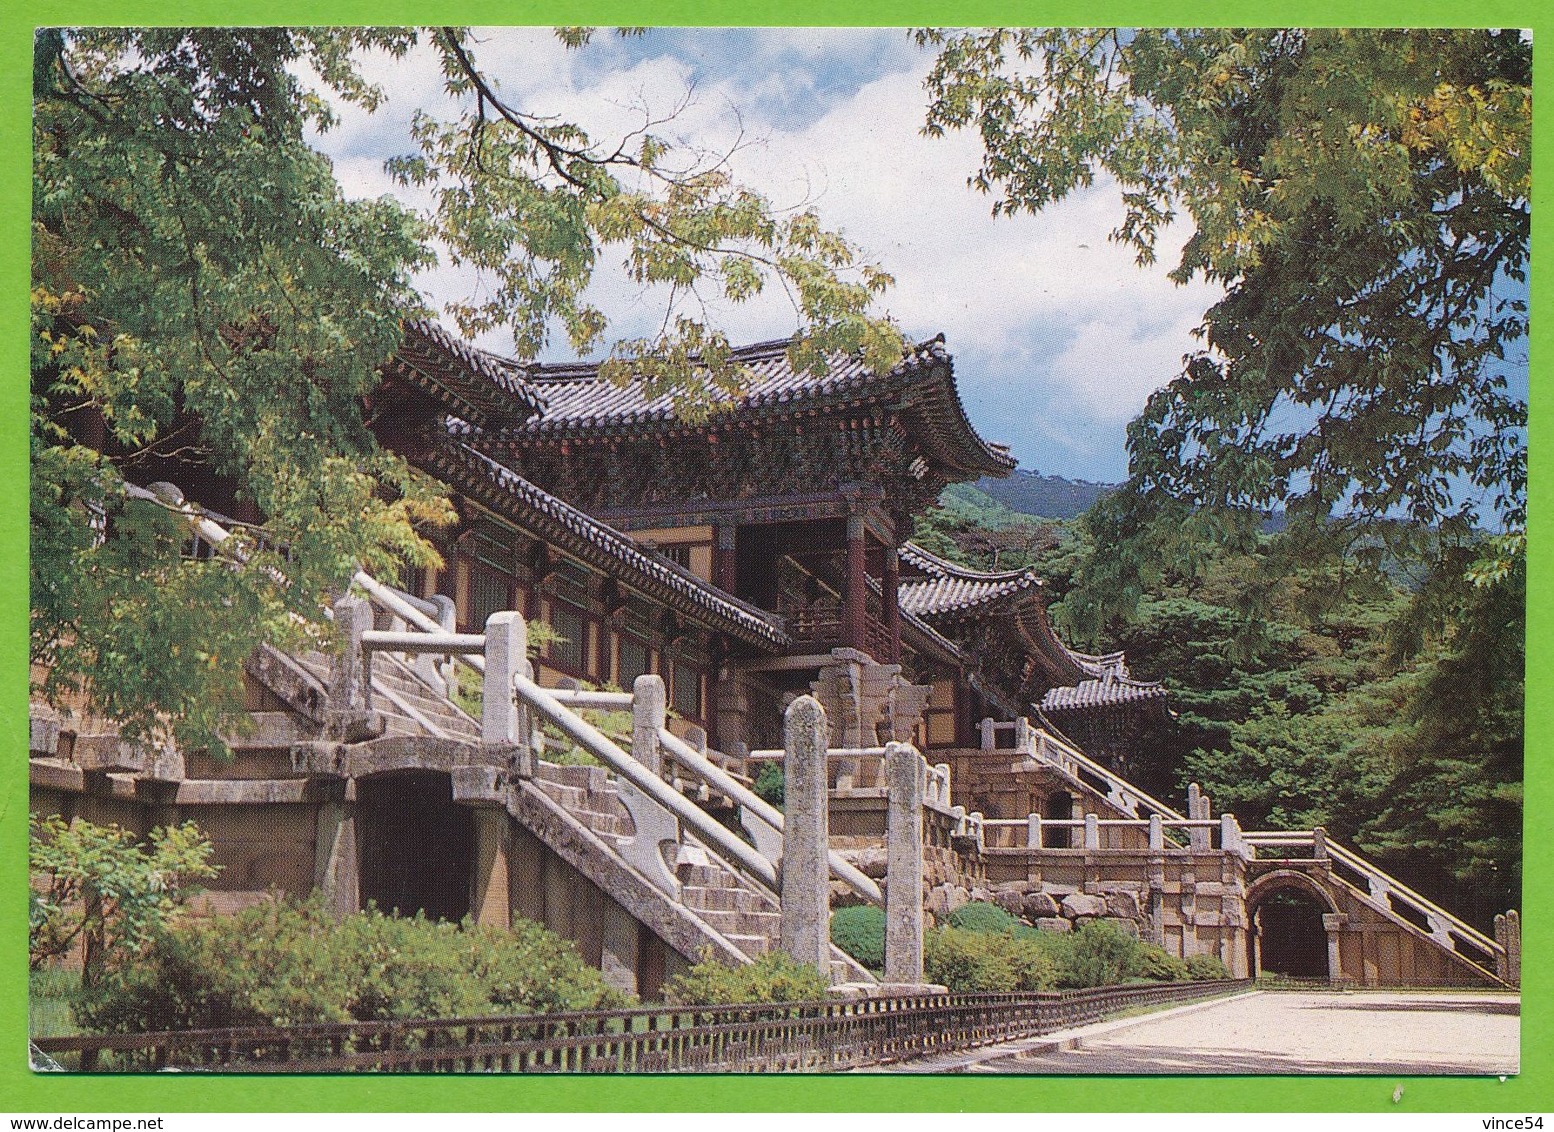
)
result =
(1045, 747)
(698, 764)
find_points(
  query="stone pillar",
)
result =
(335, 869)
(1197, 810)
(892, 608)
(904, 771)
(1333, 923)
(488, 882)
(619, 948)
(1319, 843)
(987, 735)
(731, 714)
(1156, 833)
(507, 640)
(1092, 831)
(806, 906)
(1508, 934)
(856, 596)
(1033, 831)
(649, 712)
(351, 678)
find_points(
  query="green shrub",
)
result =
(1099, 954)
(284, 963)
(860, 931)
(771, 784)
(973, 961)
(1203, 967)
(774, 977)
(979, 916)
(1159, 965)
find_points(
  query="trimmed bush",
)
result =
(1099, 954)
(860, 931)
(286, 963)
(1202, 967)
(774, 977)
(979, 916)
(771, 784)
(972, 961)
(1159, 965)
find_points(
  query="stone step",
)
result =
(591, 778)
(731, 924)
(708, 876)
(724, 899)
(752, 945)
(607, 825)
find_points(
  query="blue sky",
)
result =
(1057, 336)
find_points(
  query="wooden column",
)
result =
(725, 572)
(892, 608)
(855, 600)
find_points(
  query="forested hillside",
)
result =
(1050, 497)
(1386, 707)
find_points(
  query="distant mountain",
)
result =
(1050, 497)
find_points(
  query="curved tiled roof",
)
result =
(470, 383)
(1104, 692)
(602, 545)
(578, 402)
(952, 588)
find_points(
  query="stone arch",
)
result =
(415, 844)
(1288, 912)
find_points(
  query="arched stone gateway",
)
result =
(1288, 913)
(416, 844)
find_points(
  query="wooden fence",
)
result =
(812, 1036)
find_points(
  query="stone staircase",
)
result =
(743, 913)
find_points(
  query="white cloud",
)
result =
(1058, 336)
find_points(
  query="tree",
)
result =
(97, 888)
(207, 306)
(1361, 194)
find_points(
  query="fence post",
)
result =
(904, 773)
(1033, 831)
(988, 740)
(351, 678)
(1092, 831)
(507, 642)
(1227, 832)
(649, 714)
(1319, 843)
(806, 890)
(1156, 833)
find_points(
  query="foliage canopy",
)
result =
(210, 309)
(1362, 196)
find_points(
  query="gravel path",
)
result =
(1385, 1032)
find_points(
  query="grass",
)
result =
(49, 992)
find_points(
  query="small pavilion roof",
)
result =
(1101, 693)
(577, 533)
(948, 588)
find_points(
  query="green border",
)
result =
(21, 1091)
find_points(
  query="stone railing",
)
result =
(1031, 833)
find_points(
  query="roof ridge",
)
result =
(928, 560)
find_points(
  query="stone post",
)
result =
(1508, 934)
(335, 868)
(1092, 831)
(1156, 833)
(904, 770)
(489, 878)
(350, 681)
(1033, 831)
(649, 713)
(805, 878)
(1197, 810)
(507, 641)
(1333, 923)
(988, 740)
(1319, 843)
(1227, 832)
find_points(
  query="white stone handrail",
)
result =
(714, 776)
(1045, 747)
